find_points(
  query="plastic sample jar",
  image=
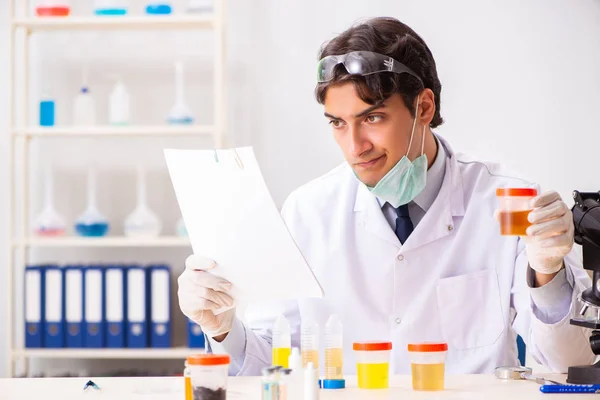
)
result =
(514, 210)
(209, 376)
(428, 365)
(372, 364)
(187, 382)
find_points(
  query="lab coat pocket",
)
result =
(470, 311)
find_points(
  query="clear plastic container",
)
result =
(309, 343)
(271, 383)
(282, 342)
(334, 349)
(514, 209)
(209, 376)
(187, 382)
(372, 364)
(53, 8)
(428, 365)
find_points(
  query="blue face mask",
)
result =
(407, 178)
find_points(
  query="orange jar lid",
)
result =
(208, 359)
(427, 347)
(516, 192)
(372, 346)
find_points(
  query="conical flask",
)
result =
(91, 223)
(49, 222)
(142, 222)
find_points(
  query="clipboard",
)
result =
(231, 218)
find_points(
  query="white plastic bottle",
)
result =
(296, 386)
(84, 108)
(119, 104)
(311, 382)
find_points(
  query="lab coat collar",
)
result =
(448, 204)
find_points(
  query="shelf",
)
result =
(116, 22)
(117, 241)
(132, 130)
(148, 353)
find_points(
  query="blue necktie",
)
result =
(404, 225)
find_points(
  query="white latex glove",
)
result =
(550, 237)
(200, 293)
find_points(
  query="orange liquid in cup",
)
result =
(514, 222)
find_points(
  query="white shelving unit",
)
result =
(124, 131)
(174, 353)
(22, 134)
(116, 241)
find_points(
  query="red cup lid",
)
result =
(372, 346)
(427, 347)
(516, 192)
(208, 359)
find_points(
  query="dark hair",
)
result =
(392, 38)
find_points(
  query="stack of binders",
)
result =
(98, 306)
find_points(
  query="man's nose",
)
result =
(359, 143)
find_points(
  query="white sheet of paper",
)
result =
(231, 218)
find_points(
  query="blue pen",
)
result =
(570, 389)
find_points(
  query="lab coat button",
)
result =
(398, 320)
(400, 257)
(450, 228)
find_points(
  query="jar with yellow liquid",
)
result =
(372, 364)
(514, 209)
(428, 362)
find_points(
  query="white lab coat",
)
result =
(456, 279)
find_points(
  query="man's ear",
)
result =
(427, 107)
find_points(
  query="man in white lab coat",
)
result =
(403, 236)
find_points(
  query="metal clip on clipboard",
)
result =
(238, 160)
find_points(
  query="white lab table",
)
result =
(478, 387)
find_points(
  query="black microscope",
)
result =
(586, 217)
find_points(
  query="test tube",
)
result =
(309, 343)
(282, 342)
(334, 353)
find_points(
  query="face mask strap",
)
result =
(412, 134)
(423, 141)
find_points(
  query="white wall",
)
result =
(520, 85)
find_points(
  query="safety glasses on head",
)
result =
(360, 63)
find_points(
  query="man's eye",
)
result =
(336, 123)
(374, 118)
